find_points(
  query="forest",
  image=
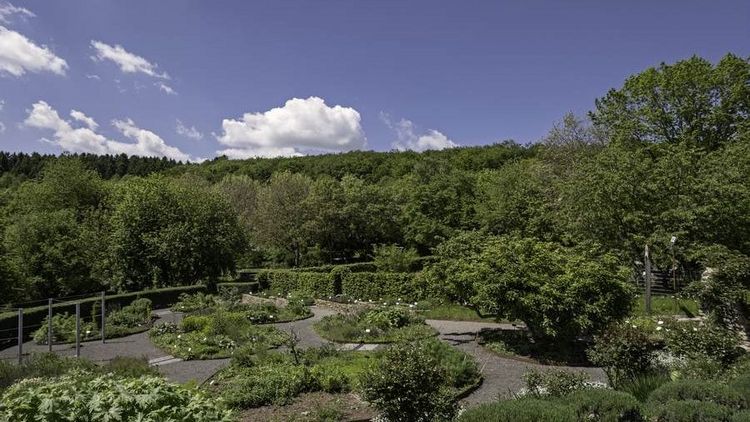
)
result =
(665, 155)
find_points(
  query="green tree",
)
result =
(168, 232)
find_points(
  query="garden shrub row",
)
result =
(224, 289)
(358, 285)
(34, 317)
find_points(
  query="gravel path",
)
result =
(502, 376)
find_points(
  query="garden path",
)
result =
(502, 376)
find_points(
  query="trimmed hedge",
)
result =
(287, 281)
(357, 267)
(523, 410)
(160, 298)
(373, 286)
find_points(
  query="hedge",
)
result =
(251, 287)
(357, 267)
(373, 286)
(287, 281)
(160, 298)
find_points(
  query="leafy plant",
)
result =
(554, 383)
(380, 325)
(625, 351)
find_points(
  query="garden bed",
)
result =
(518, 344)
(380, 325)
(214, 336)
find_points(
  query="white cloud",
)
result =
(93, 76)
(85, 139)
(128, 62)
(88, 121)
(300, 126)
(2, 105)
(19, 55)
(166, 88)
(188, 132)
(408, 139)
(2, 127)
(7, 10)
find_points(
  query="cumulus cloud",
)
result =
(19, 55)
(88, 121)
(409, 139)
(86, 139)
(7, 11)
(300, 126)
(188, 132)
(127, 61)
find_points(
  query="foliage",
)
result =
(380, 325)
(625, 351)
(194, 302)
(64, 330)
(378, 285)
(82, 396)
(696, 339)
(605, 405)
(286, 281)
(407, 384)
(554, 383)
(705, 391)
(641, 386)
(523, 410)
(213, 335)
(393, 258)
(42, 365)
(557, 292)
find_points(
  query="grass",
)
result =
(451, 312)
(667, 305)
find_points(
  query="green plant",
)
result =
(694, 339)
(64, 330)
(194, 302)
(407, 384)
(641, 386)
(41, 365)
(705, 391)
(82, 396)
(265, 384)
(689, 410)
(394, 258)
(604, 405)
(624, 351)
(130, 367)
(380, 325)
(523, 410)
(554, 383)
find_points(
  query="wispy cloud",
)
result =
(127, 61)
(8, 11)
(188, 132)
(165, 88)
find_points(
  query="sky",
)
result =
(192, 80)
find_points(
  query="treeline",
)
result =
(26, 166)
(667, 154)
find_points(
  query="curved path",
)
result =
(503, 377)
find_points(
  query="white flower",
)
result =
(658, 328)
(212, 382)
(411, 306)
(695, 329)
(660, 322)
(399, 299)
(88, 332)
(367, 330)
(635, 326)
(415, 303)
(190, 349)
(179, 336)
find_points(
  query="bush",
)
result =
(641, 386)
(381, 325)
(408, 385)
(605, 405)
(266, 384)
(82, 396)
(695, 339)
(43, 365)
(194, 302)
(523, 410)
(689, 410)
(461, 370)
(394, 258)
(64, 330)
(624, 351)
(706, 391)
(287, 281)
(130, 367)
(554, 382)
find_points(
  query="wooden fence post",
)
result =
(647, 279)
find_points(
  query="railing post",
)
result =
(78, 330)
(104, 317)
(49, 324)
(20, 336)
(647, 280)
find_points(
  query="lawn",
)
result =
(667, 305)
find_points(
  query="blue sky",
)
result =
(284, 77)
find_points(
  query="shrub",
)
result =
(41, 365)
(694, 339)
(689, 410)
(82, 396)
(374, 286)
(461, 370)
(407, 384)
(394, 258)
(130, 367)
(605, 406)
(523, 410)
(382, 325)
(287, 281)
(266, 384)
(624, 351)
(641, 386)
(194, 302)
(64, 330)
(706, 391)
(554, 382)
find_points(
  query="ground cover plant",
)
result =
(258, 377)
(667, 306)
(213, 335)
(443, 309)
(519, 344)
(87, 396)
(133, 318)
(377, 325)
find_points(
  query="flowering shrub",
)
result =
(194, 302)
(624, 350)
(383, 325)
(692, 339)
